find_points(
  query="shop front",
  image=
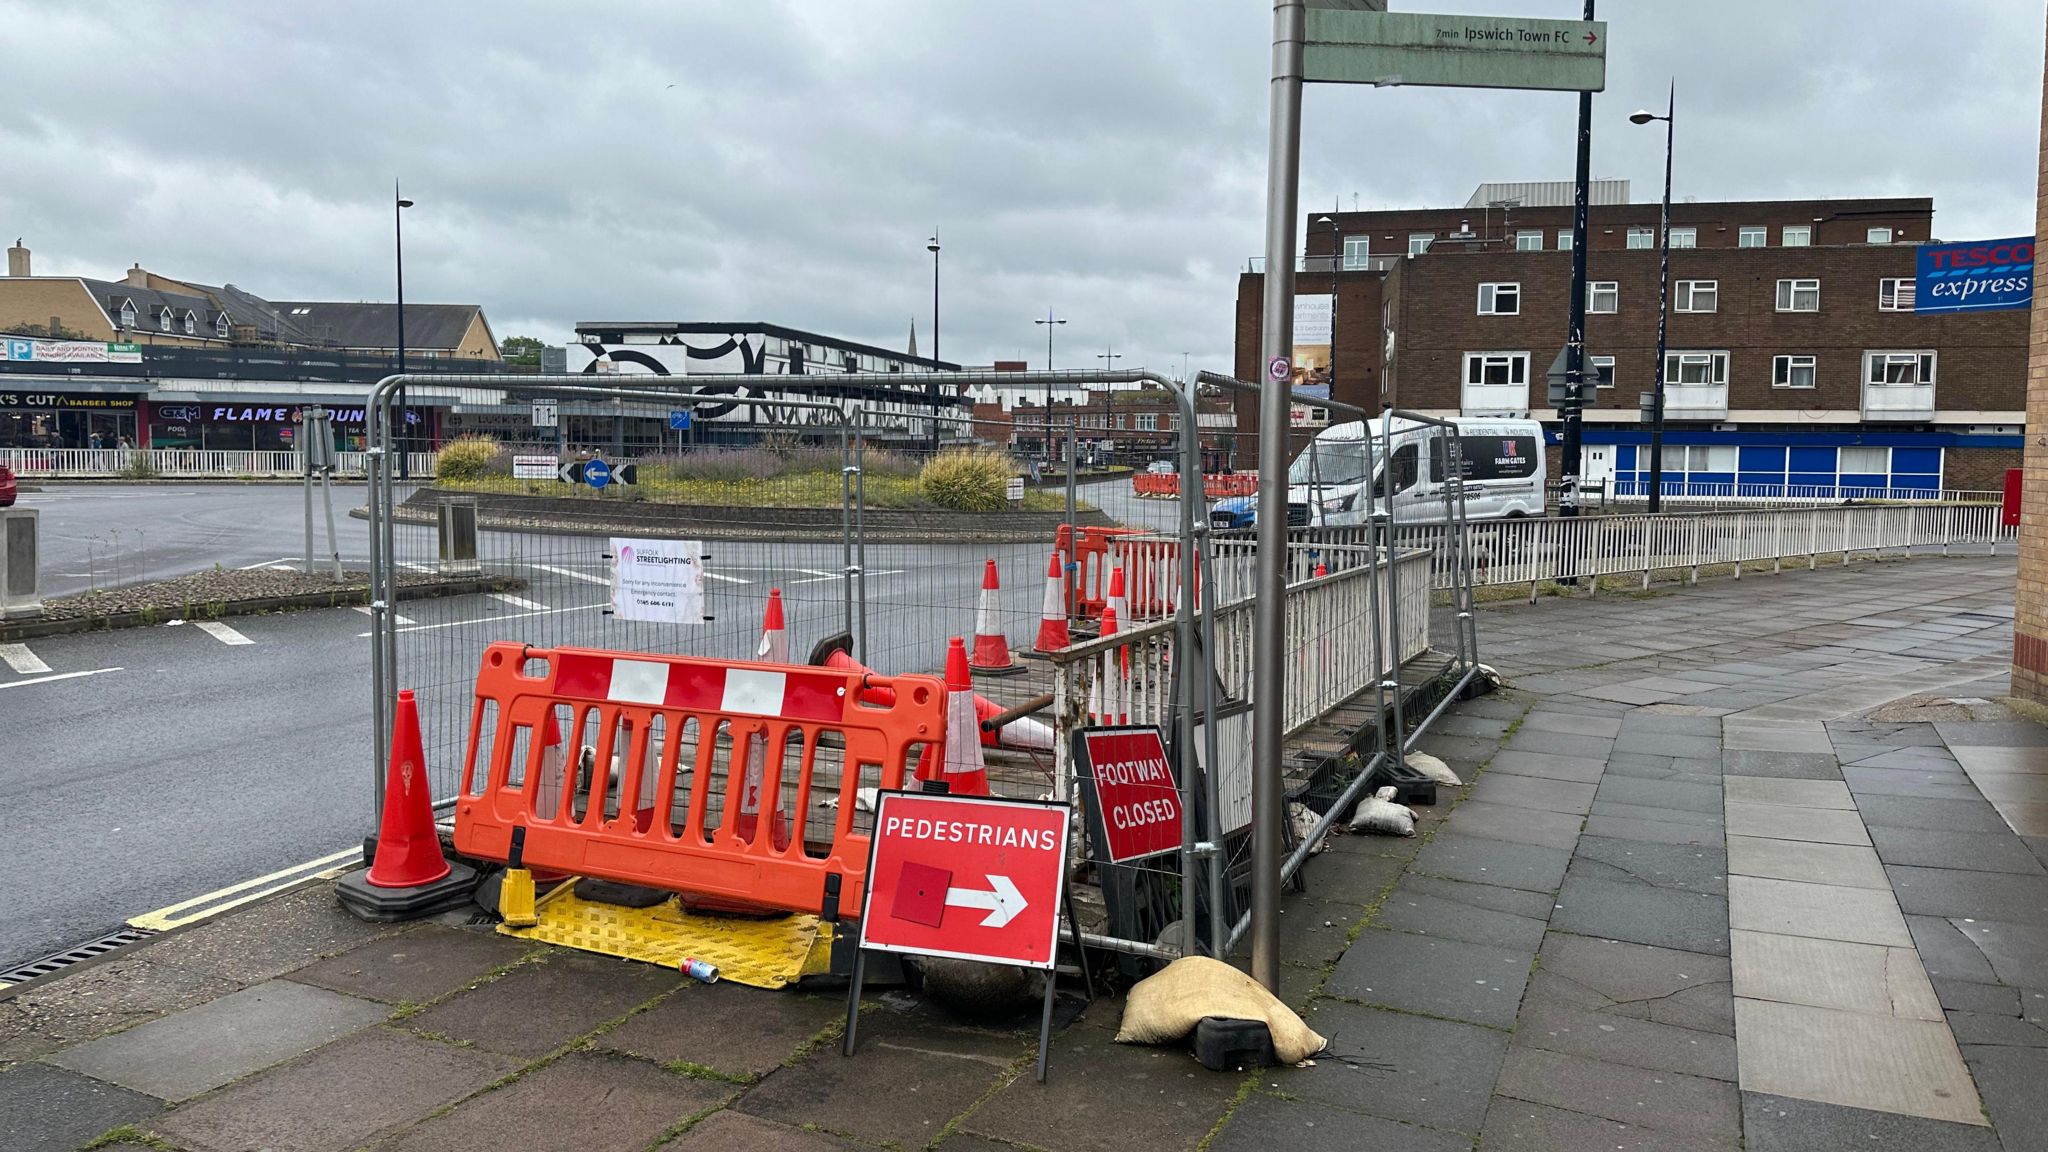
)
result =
(36, 419)
(257, 426)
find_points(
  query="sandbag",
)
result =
(1379, 813)
(1165, 1006)
(1423, 764)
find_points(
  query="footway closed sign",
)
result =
(967, 877)
(1134, 790)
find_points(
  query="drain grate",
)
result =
(77, 954)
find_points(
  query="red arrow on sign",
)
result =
(1590, 37)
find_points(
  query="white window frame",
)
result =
(220, 326)
(1419, 242)
(1884, 454)
(1788, 294)
(1686, 237)
(1642, 236)
(1878, 365)
(1529, 240)
(1686, 298)
(1515, 363)
(1753, 236)
(1879, 235)
(163, 320)
(1607, 362)
(1796, 236)
(1783, 367)
(1896, 293)
(1362, 258)
(191, 324)
(1494, 293)
(1564, 239)
(1715, 361)
(1148, 421)
(1595, 289)
(1687, 453)
(128, 314)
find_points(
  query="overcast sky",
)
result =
(785, 161)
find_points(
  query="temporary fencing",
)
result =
(1166, 485)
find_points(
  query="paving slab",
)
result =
(1915, 759)
(339, 1097)
(1684, 989)
(184, 1054)
(1575, 769)
(1993, 733)
(45, 1109)
(2003, 1031)
(1832, 974)
(268, 938)
(864, 1096)
(1947, 954)
(1263, 1123)
(1968, 851)
(1689, 816)
(1525, 1127)
(540, 1006)
(1822, 911)
(1526, 792)
(1557, 1026)
(1690, 830)
(1649, 720)
(1816, 825)
(1786, 1124)
(413, 967)
(1669, 1101)
(1642, 914)
(1788, 765)
(1538, 740)
(1931, 815)
(1455, 979)
(2010, 1080)
(1667, 743)
(1410, 907)
(101, 999)
(2017, 953)
(1960, 996)
(1846, 864)
(584, 1102)
(1686, 867)
(696, 1026)
(1455, 856)
(1790, 793)
(1857, 1059)
(1543, 719)
(1437, 1073)
(1504, 821)
(1696, 797)
(1775, 739)
(1906, 782)
(1980, 895)
(730, 1131)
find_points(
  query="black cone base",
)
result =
(382, 905)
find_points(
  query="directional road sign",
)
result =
(1417, 48)
(597, 473)
(679, 420)
(545, 414)
(970, 877)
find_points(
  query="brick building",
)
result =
(1794, 356)
(1129, 426)
(2030, 595)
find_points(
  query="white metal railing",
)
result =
(1701, 492)
(179, 463)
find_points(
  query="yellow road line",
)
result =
(214, 903)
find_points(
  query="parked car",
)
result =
(7, 486)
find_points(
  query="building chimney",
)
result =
(17, 260)
(138, 277)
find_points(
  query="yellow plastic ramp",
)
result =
(770, 953)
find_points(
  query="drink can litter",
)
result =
(697, 969)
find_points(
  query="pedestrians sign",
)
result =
(679, 420)
(545, 414)
(968, 877)
(1134, 793)
(1418, 48)
(597, 473)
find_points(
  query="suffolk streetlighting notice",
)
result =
(659, 581)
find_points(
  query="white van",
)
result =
(1327, 483)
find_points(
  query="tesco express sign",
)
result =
(1975, 276)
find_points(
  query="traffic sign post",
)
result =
(546, 414)
(965, 878)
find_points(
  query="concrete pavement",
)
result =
(1725, 876)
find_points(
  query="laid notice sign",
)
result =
(526, 467)
(1135, 793)
(968, 877)
(661, 581)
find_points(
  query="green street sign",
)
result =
(1420, 49)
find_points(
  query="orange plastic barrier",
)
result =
(1235, 484)
(1151, 578)
(676, 731)
(1088, 580)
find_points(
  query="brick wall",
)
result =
(2030, 596)
(1979, 469)
(1717, 225)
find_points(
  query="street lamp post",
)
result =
(1109, 356)
(1336, 260)
(932, 390)
(1050, 321)
(398, 206)
(1663, 301)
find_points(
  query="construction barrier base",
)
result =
(761, 953)
(382, 905)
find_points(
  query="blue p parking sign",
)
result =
(1975, 276)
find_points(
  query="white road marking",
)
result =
(492, 620)
(214, 903)
(572, 574)
(365, 610)
(840, 576)
(516, 601)
(268, 563)
(19, 658)
(58, 676)
(221, 632)
(724, 577)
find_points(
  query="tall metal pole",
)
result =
(1663, 314)
(1570, 460)
(1050, 322)
(1276, 355)
(398, 206)
(932, 390)
(1109, 356)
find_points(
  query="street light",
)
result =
(1336, 260)
(1050, 321)
(1663, 300)
(932, 390)
(1109, 357)
(399, 204)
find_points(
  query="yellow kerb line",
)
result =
(166, 918)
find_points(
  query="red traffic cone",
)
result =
(409, 877)
(774, 646)
(1052, 618)
(1023, 733)
(839, 660)
(1116, 600)
(753, 752)
(991, 648)
(960, 769)
(1112, 682)
(1322, 569)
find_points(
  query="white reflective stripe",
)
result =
(1055, 607)
(985, 614)
(638, 682)
(963, 734)
(774, 647)
(757, 693)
